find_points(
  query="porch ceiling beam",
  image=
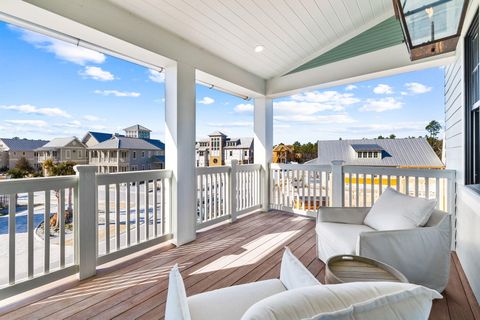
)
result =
(80, 19)
(381, 63)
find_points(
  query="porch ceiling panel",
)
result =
(290, 31)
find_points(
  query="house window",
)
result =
(231, 153)
(370, 154)
(134, 155)
(67, 154)
(143, 154)
(79, 153)
(246, 153)
(472, 103)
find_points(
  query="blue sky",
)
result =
(49, 89)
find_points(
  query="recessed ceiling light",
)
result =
(259, 48)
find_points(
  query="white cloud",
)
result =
(383, 89)
(117, 93)
(61, 49)
(91, 118)
(230, 124)
(243, 107)
(97, 73)
(329, 97)
(27, 108)
(156, 76)
(381, 105)
(351, 87)
(206, 101)
(415, 126)
(316, 119)
(417, 88)
(30, 123)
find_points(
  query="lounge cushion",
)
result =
(338, 238)
(397, 211)
(177, 306)
(312, 302)
(294, 274)
(231, 302)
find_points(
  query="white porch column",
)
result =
(180, 149)
(263, 143)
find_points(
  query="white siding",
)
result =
(468, 201)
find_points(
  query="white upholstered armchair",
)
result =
(422, 254)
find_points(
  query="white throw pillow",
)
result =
(293, 273)
(176, 307)
(397, 211)
(413, 304)
(308, 302)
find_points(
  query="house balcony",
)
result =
(120, 244)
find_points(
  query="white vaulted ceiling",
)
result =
(292, 31)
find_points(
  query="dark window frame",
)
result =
(472, 103)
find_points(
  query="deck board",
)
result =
(245, 251)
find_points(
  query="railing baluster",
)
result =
(147, 211)
(117, 216)
(349, 190)
(127, 220)
(416, 186)
(427, 188)
(137, 209)
(163, 207)
(372, 189)
(107, 218)
(46, 227)
(364, 190)
(12, 210)
(380, 185)
(61, 221)
(357, 190)
(397, 178)
(31, 230)
(155, 208)
(437, 192)
(320, 184)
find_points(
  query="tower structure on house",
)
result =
(137, 131)
(217, 143)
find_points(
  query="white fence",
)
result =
(132, 210)
(226, 192)
(38, 229)
(306, 188)
(60, 226)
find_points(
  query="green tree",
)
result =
(380, 137)
(16, 173)
(433, 129)
(61, 169)
(392, 136)
(24, 165)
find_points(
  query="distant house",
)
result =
(11, 150)
(400, 153)
(130, 152)
(220, 150)
(121, 154)
(62, 150)
(283, 153)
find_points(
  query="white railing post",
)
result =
(337, 183)
(86, 225)
(233, 191)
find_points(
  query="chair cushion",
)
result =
(293, 273)
(231, 302)
(338, 238)
(308, 302)
(397, 211)
(177, 306)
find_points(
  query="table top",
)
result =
(350, 268)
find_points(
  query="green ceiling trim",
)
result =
(385, 34)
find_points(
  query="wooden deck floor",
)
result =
(246, 251)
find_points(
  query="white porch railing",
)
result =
(305, 188)
(226, 192)
(102, 217)
(37, 244)
(300, 188)
(132, 210)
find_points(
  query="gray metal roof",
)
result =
(124, 143)
(243, 143)
(23, 144)
(137, 127)
(57, 143)
(366, 147)
(217, 133)
(415, 152)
